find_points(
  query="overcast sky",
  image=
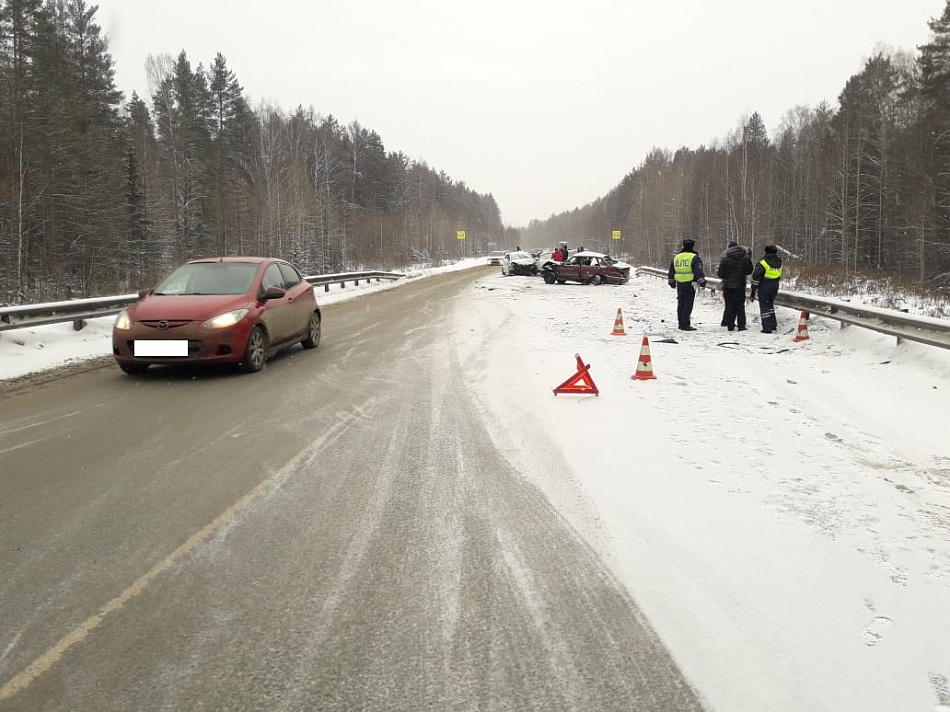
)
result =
(545, 104)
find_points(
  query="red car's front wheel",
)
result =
(255, 352)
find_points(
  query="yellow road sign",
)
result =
(615, 235)
(460, 234)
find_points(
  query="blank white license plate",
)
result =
(163, 347)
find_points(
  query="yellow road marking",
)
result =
(45, 661)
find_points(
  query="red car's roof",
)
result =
(233, 259)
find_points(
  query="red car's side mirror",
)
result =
(274, 293)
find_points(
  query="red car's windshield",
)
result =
(210, 278)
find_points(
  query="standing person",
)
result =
(558, 255)
(734, 266)
(765, 279)
(686, 268)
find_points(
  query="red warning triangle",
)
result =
(580, 382)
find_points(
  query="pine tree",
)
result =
(934, 90)
(18, 227)
(755, 223)
(99, 226)
(183, 119)
(231, 124)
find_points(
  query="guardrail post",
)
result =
(899, 339)
(78, 324)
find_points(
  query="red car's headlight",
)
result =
(222, 321)
(123, 322)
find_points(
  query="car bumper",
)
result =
(205, 346)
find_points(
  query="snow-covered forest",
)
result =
(859, 186)
(101, 193)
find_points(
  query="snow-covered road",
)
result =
(780, 511)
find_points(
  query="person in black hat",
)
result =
(765, 282)
(685, 269)
(734, 267)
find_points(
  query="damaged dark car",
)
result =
(587, 267)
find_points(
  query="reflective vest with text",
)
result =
(683, 266)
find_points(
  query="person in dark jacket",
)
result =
(685, 269)
(765, 282)
(734, 267)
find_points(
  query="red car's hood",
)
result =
(193, 307)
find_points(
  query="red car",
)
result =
(238, 310)
(588, 268)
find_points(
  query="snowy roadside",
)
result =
(779, 510)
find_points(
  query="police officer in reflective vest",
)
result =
(686, 268)
(765, 280)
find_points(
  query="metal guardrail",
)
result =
(923, 329)
(79, 310)
(342, 278)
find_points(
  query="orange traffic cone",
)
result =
(580, 382)
(802, 334)
(644, 365)
(618, 325)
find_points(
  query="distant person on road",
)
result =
(765, 282)
(686, 268)
(734, 267)
(558, 254)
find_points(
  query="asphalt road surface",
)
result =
(336, 532)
